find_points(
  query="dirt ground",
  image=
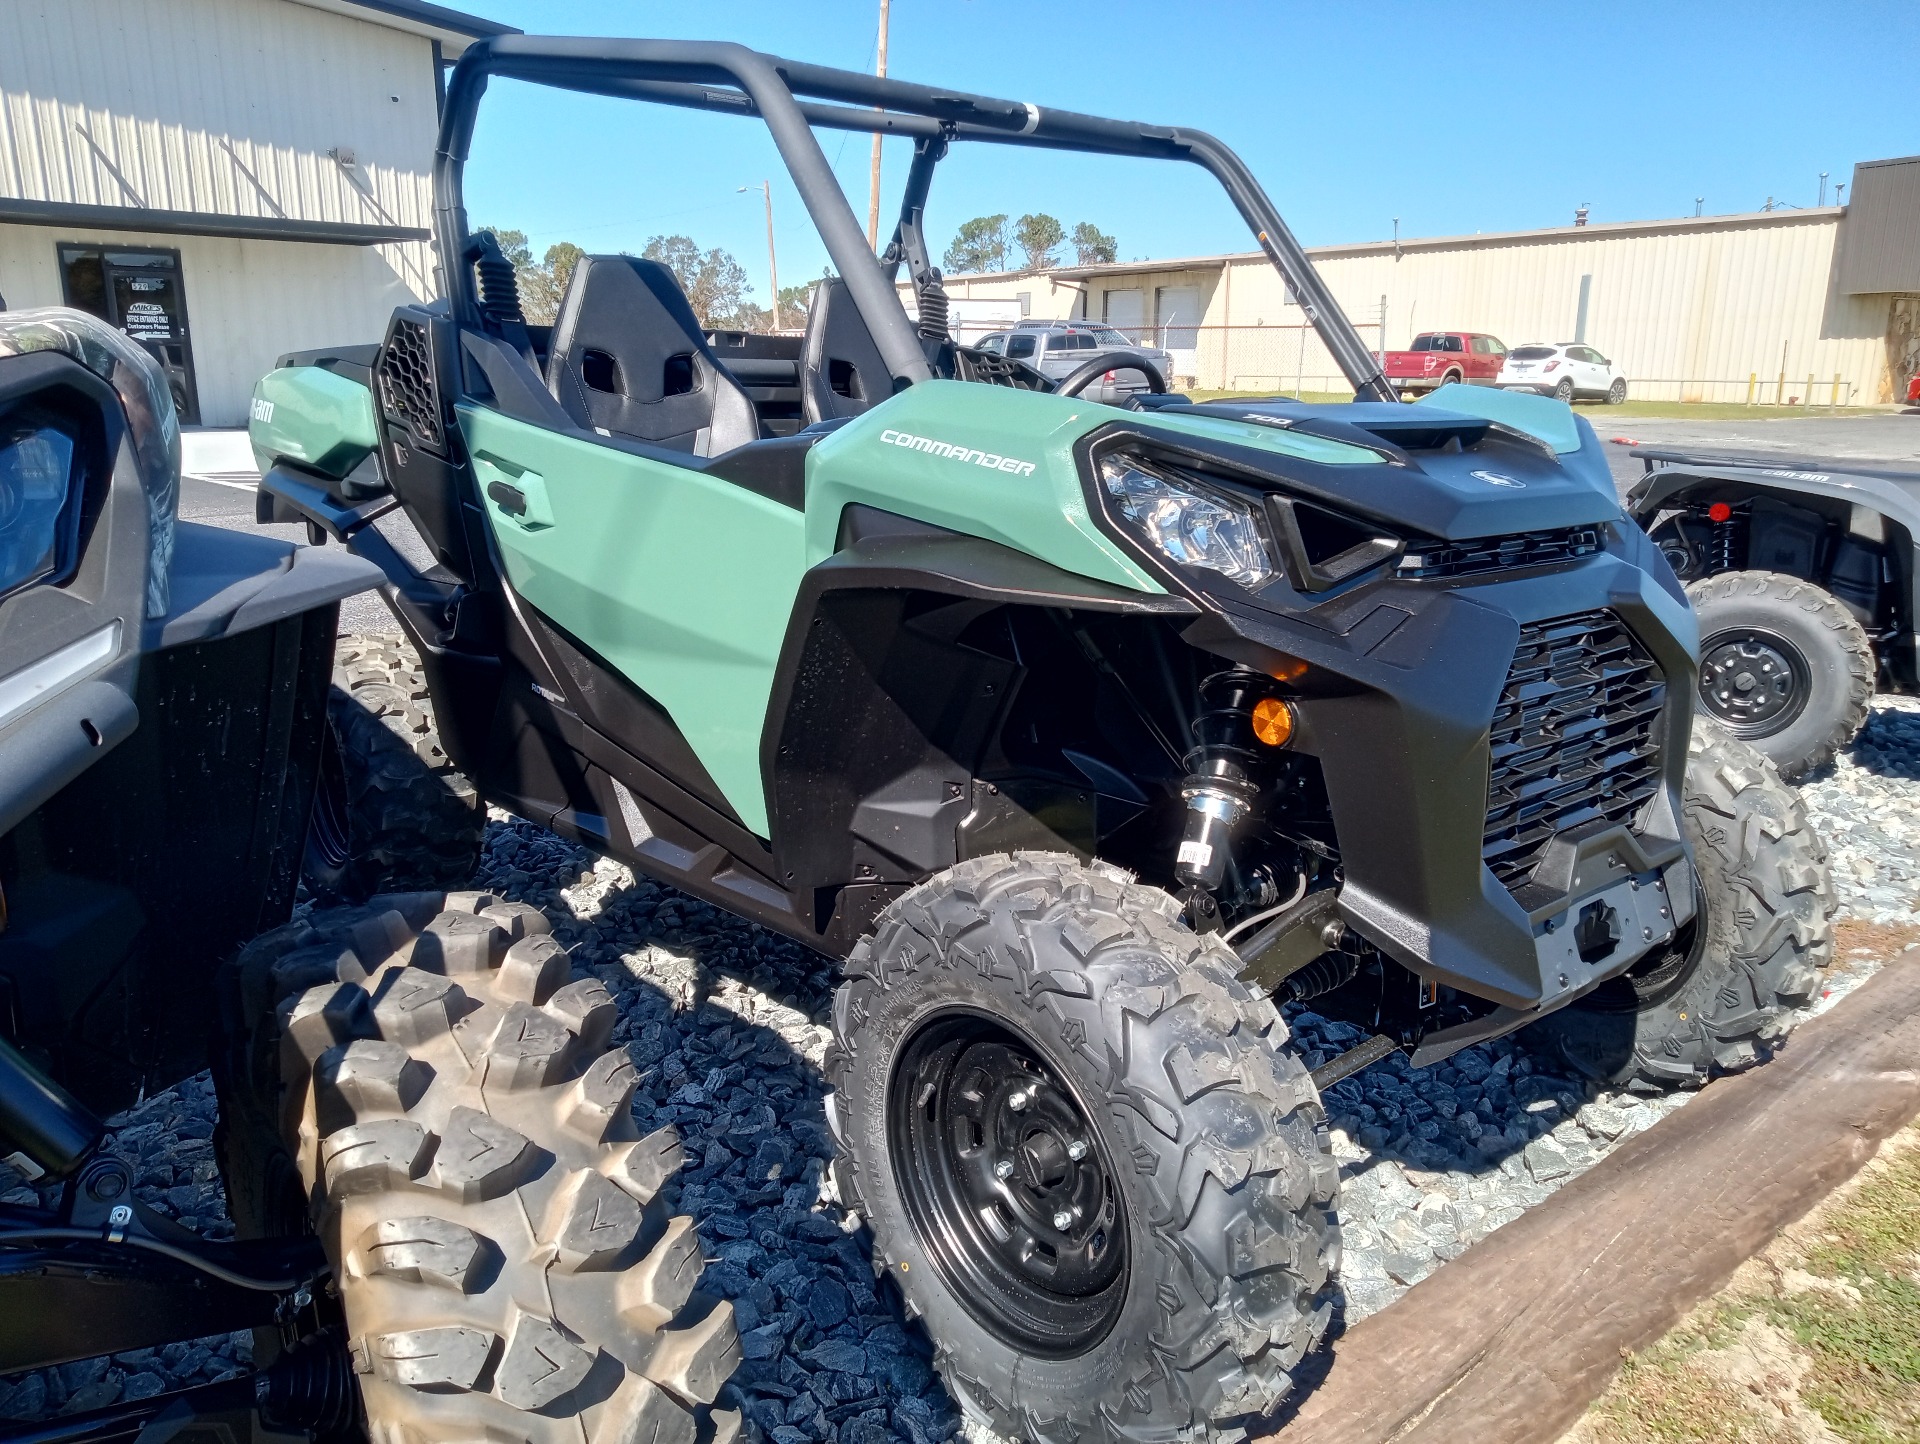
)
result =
(1814, 1341)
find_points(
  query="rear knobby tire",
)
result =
(1751, 957)
(1219, 1154)
(1813, 629)
(429, 1078)
(393, 813)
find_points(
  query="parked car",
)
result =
(1565, 369)
(1440, 358)
(1058, 348)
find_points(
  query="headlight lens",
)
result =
(36, 464)
(1187, 526)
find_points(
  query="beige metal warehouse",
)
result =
(1762, 306)
(226, 180)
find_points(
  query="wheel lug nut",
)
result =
(1019, 1101)
(1003, 1169)
(1063, 1220)
(1076, 1150)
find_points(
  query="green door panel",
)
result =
(681, 581)
(311, 416)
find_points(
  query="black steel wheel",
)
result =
(1092, 1164)
(1783, 665)
(1753, 681)
(1009, 1184)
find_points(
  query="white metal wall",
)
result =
(248, 302)
(230, 107)
(1689, 311)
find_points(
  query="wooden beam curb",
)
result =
(1510, 1342)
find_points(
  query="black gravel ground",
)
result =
(727, 1025)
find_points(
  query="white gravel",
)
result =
(727, 1023)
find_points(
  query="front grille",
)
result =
(1492, 554)
(406, 384)
(1573, 739)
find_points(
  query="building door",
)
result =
(140, 292)
(1126, 311)
(1177, 312)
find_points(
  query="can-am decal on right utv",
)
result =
(1083, 733)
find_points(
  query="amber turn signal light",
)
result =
(1273, 721)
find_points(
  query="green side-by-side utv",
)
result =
(1086, 735)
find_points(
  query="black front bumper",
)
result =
(1398, 698)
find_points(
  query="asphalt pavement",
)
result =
(1883, 438)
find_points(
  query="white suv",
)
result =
(1565, 370)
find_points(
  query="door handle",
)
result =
(517, 495)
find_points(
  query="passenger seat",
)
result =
(841, 371)
(629, 359)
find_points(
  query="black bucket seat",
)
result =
(629, 359)
(841, 371)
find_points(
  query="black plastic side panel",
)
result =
(130, 886)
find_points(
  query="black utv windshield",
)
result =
(793, 99)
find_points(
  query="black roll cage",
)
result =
(730, 78)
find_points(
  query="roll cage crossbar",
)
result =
(792, 98)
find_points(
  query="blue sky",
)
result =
(1455, 118)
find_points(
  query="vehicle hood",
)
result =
(1443, 472)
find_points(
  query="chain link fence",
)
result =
(1290, 360)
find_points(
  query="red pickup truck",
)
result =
(1438, 357)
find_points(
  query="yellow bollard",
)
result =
(1753, 384)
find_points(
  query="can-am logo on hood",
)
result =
(1494, 478)
(992, 460)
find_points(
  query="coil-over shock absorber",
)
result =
(1239, 717)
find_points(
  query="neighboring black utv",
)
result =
(162, 700)
(1802, 574)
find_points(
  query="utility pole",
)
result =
(773, 266)
(873, 177)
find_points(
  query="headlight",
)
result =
(1187, 526)
(36, 464)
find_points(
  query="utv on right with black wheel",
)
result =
(1802, 573)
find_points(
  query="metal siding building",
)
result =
(1699, 309)
(260, 167)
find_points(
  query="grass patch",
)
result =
(1818, 1339)
(1715, 410)
(1315, 397)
